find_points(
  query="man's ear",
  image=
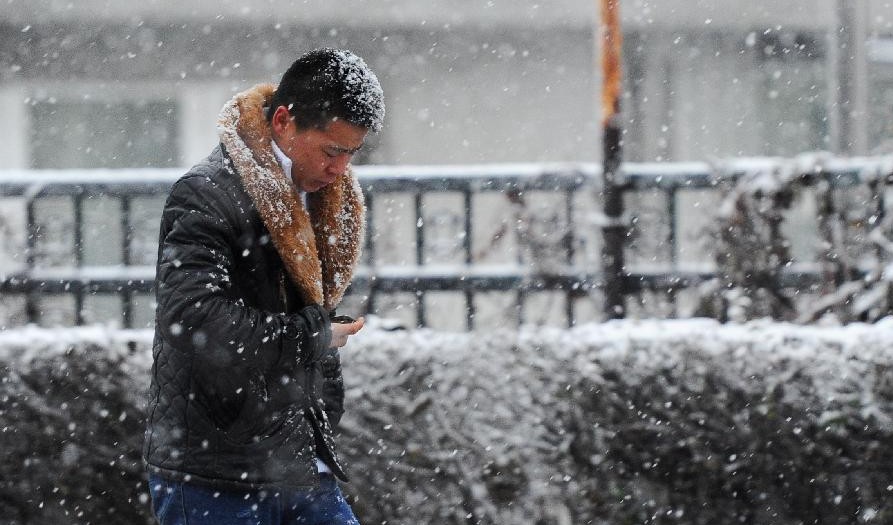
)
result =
(281, 120)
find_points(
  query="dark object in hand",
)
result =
(343, 319)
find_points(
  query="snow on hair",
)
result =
(363, 96)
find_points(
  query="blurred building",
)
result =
(97, 83)
(103, 83)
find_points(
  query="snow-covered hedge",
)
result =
(72, 407)
(688, 422)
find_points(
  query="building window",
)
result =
(794, 113)
(91, 134)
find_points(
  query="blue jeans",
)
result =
(181, 503)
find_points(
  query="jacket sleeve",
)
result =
(194, 310)
(332, 385)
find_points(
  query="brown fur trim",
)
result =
(320, 256)
(340, 222)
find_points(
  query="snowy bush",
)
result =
(629, 422)
(848, 233)
(659, 422)
(71, 423)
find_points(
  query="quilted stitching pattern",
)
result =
(228, 389)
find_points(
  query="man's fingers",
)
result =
(341, 331)
(357, 325)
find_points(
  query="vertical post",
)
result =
(32, 294)
(78, 286)
(126, 236)
(878, 192)
(672, 242)
(610, 40)
(568, 240)
(849, 80)
(420, 256)
(469, 257)
(519, 304)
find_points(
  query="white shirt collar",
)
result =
(283, 159)
(286, 164)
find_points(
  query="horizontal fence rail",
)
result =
(34, 279)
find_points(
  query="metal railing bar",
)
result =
(126, 258)
(497, 177)
(31, 297)
(569, 254)
(79, 255)
(469, 279)
(467, 247)
(394, 278)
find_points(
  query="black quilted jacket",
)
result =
(244, 386)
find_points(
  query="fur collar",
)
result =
(320, 254)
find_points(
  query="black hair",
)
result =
(327, 84)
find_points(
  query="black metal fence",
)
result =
(468, 231)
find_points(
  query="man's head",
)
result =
(324, 106)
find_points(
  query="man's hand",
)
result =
(341, 331)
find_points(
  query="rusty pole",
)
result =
(610, 40)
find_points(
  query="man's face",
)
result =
(319, 156)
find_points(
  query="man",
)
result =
(258, 244)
